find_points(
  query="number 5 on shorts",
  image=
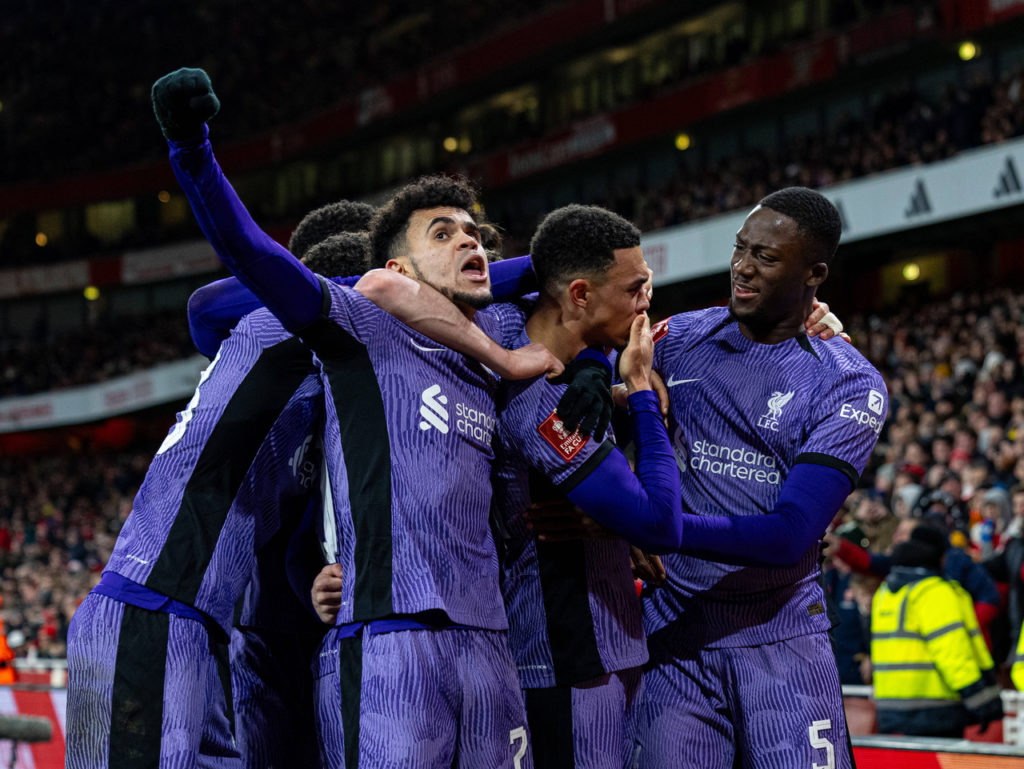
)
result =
(820, 743)
(518, 735)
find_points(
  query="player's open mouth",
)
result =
(741, 291)
(475, 268)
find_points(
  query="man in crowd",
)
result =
(932, 671)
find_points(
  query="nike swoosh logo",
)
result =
(428, 349)
(673, 382)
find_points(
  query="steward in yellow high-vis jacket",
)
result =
(930, 677)
(1017, 669)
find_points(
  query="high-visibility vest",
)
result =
(921, 650)
(981, 653)
(1017, 669)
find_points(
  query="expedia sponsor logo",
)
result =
(876, 402)
(742, 463)
(861, 417)
(476, 425)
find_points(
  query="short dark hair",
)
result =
(576, 241)
(814, 214)
(340, 256)
(332, 219)
(391, 222)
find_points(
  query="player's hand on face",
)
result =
(326, 593)
(823, 323)
(529, 361)
(183, 101)
(635, 361)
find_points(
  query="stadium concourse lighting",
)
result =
(682, 142)
(967, 50)
(911, 272)
(91, 293)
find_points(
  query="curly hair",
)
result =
(578, 241)
(391, 222)
(340, 256)
(332, 219)
(813, 213)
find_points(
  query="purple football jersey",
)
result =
(572, 606)
(234, 459)
(408, 448)
(742, 415)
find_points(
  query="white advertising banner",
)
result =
(160, 384)
(48, 279)
(974, 182)
(168, 262)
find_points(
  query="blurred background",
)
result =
(679, 115)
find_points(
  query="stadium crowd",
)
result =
(59, 516)
(271, 78)
(905, 127)
(951, 457)
(48, 360)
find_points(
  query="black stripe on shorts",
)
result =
(549, 713)
(136, 718)
(350, 679)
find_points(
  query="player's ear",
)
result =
(579, 292)
(816, 274)
(398, 265)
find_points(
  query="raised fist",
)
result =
(182, 101)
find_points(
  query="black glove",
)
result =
(982, 703)
(182, 102)
(587, 401)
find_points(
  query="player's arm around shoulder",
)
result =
(427, 311)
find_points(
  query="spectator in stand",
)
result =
(1007, 566)
(852, 636)
(111, 348)
(957, 567)
(930, 677)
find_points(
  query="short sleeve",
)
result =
(530, 425)
(503, 322)
(848, 421)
